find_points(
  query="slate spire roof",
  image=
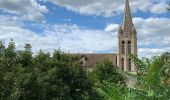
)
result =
(127, 23)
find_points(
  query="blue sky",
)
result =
(83, 26)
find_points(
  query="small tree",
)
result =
(106, 71)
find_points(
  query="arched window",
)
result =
(122, 63)
(129, 65)
(129, 47)
(123, 47)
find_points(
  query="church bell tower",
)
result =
(127, 41)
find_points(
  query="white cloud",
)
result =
(25, 9)
(112, 27)
(159, 8)
(70, 38)
(150, 52)
(152, 30)
(73, 38)
(153, 36)
(109, 8)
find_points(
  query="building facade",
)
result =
(127, 44)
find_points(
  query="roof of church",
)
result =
(91, 59)
(127, 23)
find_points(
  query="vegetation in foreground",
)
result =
(153, 81)
(49, 77)
(61, 77)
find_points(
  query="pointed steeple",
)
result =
(127, 23)
(127, 41)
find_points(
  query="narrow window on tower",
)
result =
(129, 47)
(129, 64)
(123, 47)
(122, 64)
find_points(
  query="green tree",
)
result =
(41, 77)
(105, 71)
(8, 63)
(153, 81)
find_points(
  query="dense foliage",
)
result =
(153, 81)
(45, 76)
(59, 76)
(105, 71)
(41, 77)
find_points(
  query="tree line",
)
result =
(45, 76)
(60, 76)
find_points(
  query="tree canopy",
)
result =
(41, 77)
(50, 76)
